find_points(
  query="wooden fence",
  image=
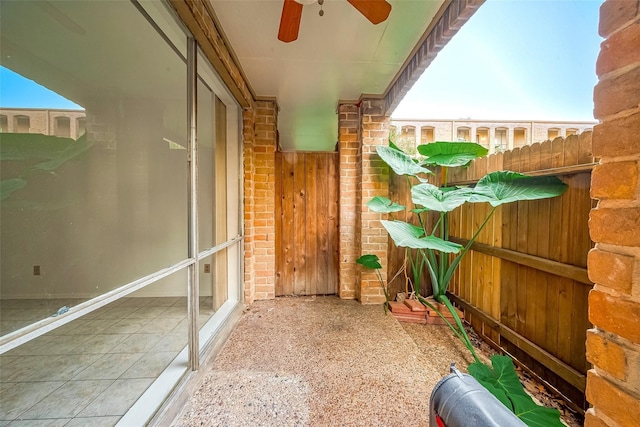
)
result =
(524, 284)
(306, 223)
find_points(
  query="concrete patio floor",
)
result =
(322, 361)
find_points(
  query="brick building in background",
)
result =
(496, 135)
(63, 123)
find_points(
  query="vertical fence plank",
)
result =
(535, 308)
(299, 222)
(325, 230)
(279, 242)
(288, 236)
(567, 287)
(522, 231)
(314, 226)
(542, 332)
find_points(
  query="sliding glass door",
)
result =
(97, 282)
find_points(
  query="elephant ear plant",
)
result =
(429, 247)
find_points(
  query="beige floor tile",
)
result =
(164, 301)
(172, 342)
(19, 397)
(108, 367)
(68, 400)
(99, 344)
(117, 399)
(64, 345)
(136, 301)
(54, 422)
(93, 422)
(92, 327)
(117, 312)
(22, 367)
(150, 365)
(30, 348)
(175, 311)
(147, 312)
(159, 326)
(138, 343)
(65, 368)
(128, 326)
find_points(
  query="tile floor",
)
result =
(93, 369)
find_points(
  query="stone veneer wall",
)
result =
(363, 175)
(613, 345)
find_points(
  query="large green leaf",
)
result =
(502, 373)
(394, 146)
(502, 381)
(409, 236)
(502, 187)
(23, 146)
(440, 200)
(369, 261)
(533, 414)
(401, 163)
(383, 205)
(8, 186)
(451, 154)
(72, 150)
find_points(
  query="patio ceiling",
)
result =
(338, 56)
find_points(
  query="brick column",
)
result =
(259, 160)
(363, 175)
(248, 133)
(349, 151)
(613, 345)
(374, 182)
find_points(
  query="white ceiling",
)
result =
(338, 56)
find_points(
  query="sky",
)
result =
(514, 59)
(19, 92)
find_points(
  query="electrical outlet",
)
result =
(207, 268)
(36, 270)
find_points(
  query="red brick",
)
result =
(616, 180)
(615, 226)
(592, 420)
(615, 315)
(415, 305)
(606, 355)
(612, 401)
(612, 270)
(614, 14)
(618, 94)
(619, 50)
(617, 137)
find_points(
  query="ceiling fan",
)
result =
(376, 11)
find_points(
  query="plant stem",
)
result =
(466, 341)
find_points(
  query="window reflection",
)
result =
(93, 190)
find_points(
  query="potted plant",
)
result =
(430, 248)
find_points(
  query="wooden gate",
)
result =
(306, 223)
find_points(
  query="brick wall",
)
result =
(363, 175)
(613, 345)
(248, 134)
(349, 150)
(260, 142)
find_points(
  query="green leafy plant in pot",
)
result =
(434, 251)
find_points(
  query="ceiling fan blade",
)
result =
(290, 21)
(375, 11)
